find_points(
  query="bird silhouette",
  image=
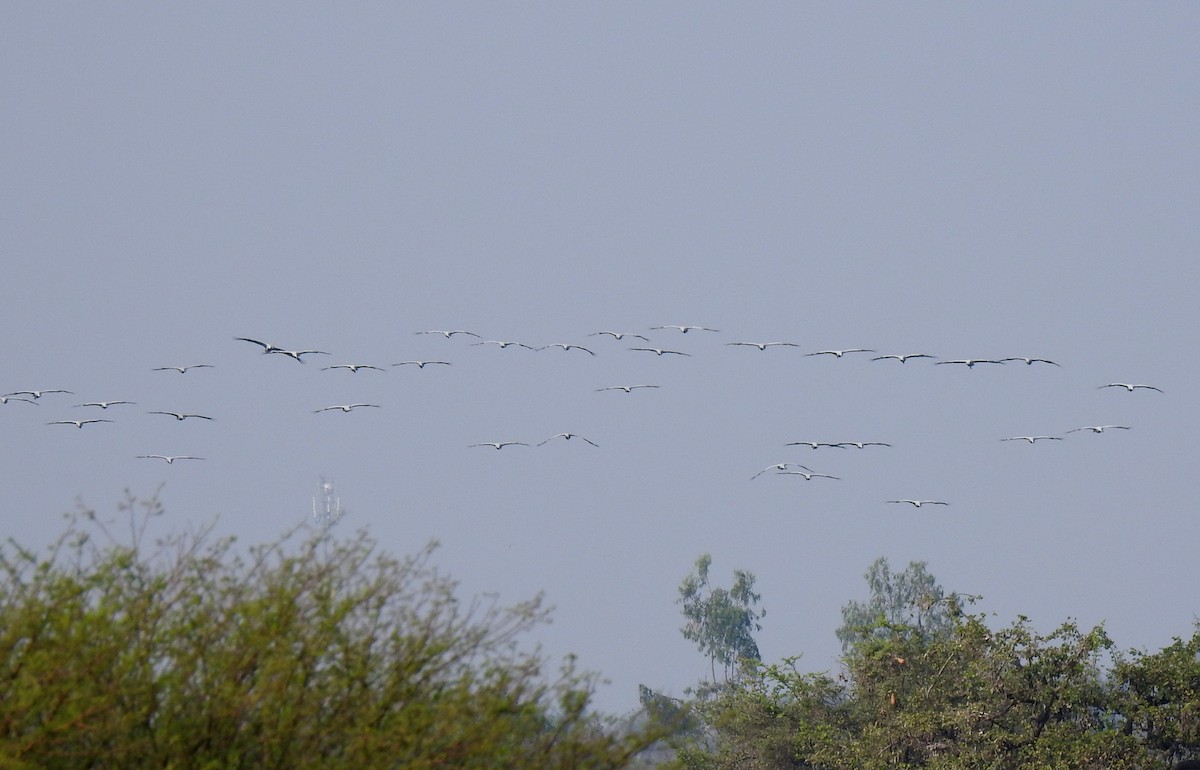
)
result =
(352, 367)
(661, 352)
(626, 388)
(568, 437)
(421, 364)
(182, 369)
(1129, 386)
(764, 345)
(183, 415)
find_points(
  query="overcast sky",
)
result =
(963, 180)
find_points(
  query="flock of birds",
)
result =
(791, 469)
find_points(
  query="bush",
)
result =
(311, 651)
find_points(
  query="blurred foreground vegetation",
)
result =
(310, 652)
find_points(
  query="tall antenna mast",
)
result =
(327, 506)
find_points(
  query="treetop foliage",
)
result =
(926, 685)
(311, 651)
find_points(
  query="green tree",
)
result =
(912, 599)
(1160, 697)
(969, 698)
(721, 621)
(302, 653)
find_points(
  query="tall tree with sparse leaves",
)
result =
(721, 621)
(912, 599)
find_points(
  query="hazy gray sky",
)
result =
(963, 180)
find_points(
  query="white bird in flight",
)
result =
(568, 437)
(566, 347)
(840, 353)
(76, 423)
(1100, 428)
(266, 347)
(35, 393)
(421, 364)
(504, 344)
(352, 367)
(626, 388)
(764, 345)
(620, 335)
(181, 369)
(1129, 386)
(919, 503)
(169, 458)
(1033, 439)
(970, 362)
(661, 352)
(685, 329)
(808, 476)
(1031, 361)
(500, 444)
(902, 357)
(6, 399)
(861, 444)
(815, 444)
(780, 467)
(343, 407)
(448, 333)
(183, 415)
(296, 354)
(104, 404)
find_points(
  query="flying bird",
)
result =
(448, 333)
(686, 329)
(1031, 361)
(76, 423)
(919, 503)
(815, 444)
(565, 347)
(660, 351)
(764, 345)
(351, 367)
(504, 344)
(568, 437)
(1033, 439)
(183, 415)
(169, 458)
(902, 357)
(421, 364)
(35, 393)
(808, 476)
(266, 348)
(6, 399)
(343, 407)
(626, 388)
(104, 404)
(840, 353)
(861, 444)
(501, 444)
(181, 369)
(780, 467)
(296, 354)
(1129, 386)
(970, 362)
(620, 335)
(1100, 428)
